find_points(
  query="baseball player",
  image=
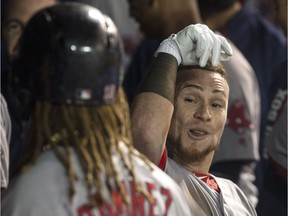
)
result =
(79, 158)
(273, 193)
(184, 109)
(238, 152)
(5, 135)
(15, 16)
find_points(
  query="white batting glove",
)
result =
(195, 44)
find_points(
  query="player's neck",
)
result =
(201, 166)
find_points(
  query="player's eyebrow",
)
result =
(193, 86)
(199, 88)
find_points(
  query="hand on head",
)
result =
(195, 45)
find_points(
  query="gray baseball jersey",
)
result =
(5, 135)
(231, 201)
(240, 139)
(43, 190)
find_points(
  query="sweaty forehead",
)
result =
(201, 77)
(23, 10)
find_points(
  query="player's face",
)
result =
(201, 101)
(147, 15)
(17, 15)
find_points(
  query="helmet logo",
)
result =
(109, 93)
(84, 94)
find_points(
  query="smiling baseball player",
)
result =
(182, 107)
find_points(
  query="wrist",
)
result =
(161, 77)
(168, 46)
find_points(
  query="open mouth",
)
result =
(198, 133)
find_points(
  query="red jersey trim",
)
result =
(163, 160)
(208, 179)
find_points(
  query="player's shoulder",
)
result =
(234, 197)
(144, 167)
(43, 173)
(228, 187)
(147, 171)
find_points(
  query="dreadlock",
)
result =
(94, 133)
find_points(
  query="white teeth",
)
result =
(198, 132)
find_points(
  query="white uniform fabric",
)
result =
(43, 190)
(231, 201)
(240, 139)
(5, 135)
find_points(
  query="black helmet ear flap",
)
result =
(72, 53)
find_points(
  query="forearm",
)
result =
(152, 109)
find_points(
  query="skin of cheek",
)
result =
(178, 139)
(11, 45)
(185, 147)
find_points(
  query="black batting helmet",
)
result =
(71, 53)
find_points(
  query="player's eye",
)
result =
(190, 100)
(217, 105)
(13, 26)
